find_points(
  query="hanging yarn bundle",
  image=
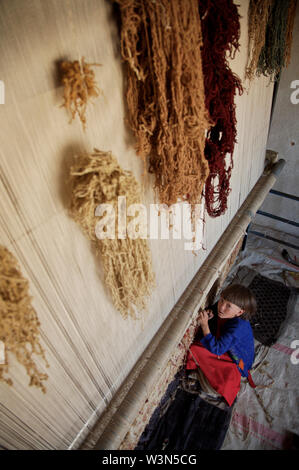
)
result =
(161, 44)
(19, 325)
(270, 31)
(221, 32)
(79, 87)
(276, 50)
(289, 31)
(258, 15)
(98, 179)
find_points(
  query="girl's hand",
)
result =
(203, 320)
(204, 317)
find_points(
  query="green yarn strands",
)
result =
(258, 16)
(272, 57)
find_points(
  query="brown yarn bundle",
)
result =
(258, 15)
(161, 43)
(19, 325)
(289, 31)
(98, 179)
(79, 87)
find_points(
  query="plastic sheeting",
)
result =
(267, 417)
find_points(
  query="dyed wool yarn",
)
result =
(79, 87)
(98, 179)
(289, 31)
(221, 32)
(270, 31)
(161, 44)
(19, 325)
(258, 15)
(273, 55)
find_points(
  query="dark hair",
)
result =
(242, 297)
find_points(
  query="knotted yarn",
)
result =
(161, 44)
(221, 32)
(273, 54)
(79, 87)
(258, 15)
(98, 179)
(19, 324)
(289, 31)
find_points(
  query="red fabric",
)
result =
(221, 371)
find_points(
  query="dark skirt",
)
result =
(186, 421)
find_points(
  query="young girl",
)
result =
(190, 418)
(225, 351)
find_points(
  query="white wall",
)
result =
(89, 346)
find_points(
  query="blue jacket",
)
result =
(236, 339)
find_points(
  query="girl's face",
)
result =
(227, 309)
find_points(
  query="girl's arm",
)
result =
(217, 346)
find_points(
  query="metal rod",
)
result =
(259, 234)
(281, 219)
(279, 193)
